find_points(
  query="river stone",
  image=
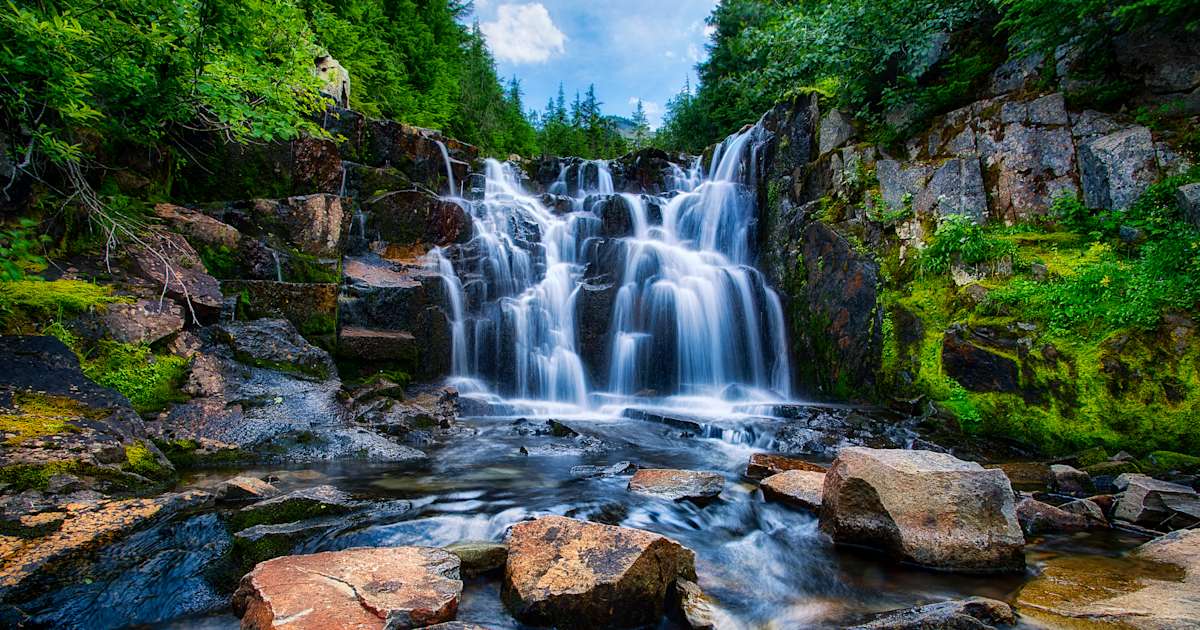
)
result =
(361, 588)
(763, 465)
(294, 506)
(575, 574)
(1026, 475)
(677, 485)
(1157, 587)
(928, 508)
(691, 606)
(245, 488)
(1040, 518)
(801, 488)
(1150, 502)
(1087, 508)
(975, 613)
(617, 469)
(477, 557)
(1068, 480)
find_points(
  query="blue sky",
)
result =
(630, 49)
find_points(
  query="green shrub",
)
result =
(959, 240)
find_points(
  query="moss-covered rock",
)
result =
(294, 506)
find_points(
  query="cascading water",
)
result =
(684, 312)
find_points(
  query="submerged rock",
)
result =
(619, 468)
(976, 613)
(801, 488)
(763, 465)
(677, 485)
(1156, 587)
(928, 508)
(479, 556)
(691, 606)
(574, 574)
(363, 588)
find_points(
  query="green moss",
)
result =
(306, 269)
(184, 454)
(148, 380)
(318, 324)
(220, 261)
(289, 511)
(140, 460)
(30, 301)
(21, 477)
(38, 415)
(247, 553)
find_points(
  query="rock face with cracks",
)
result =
(574, 574)
(926, 508)
(360, 589)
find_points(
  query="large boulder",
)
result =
(360, 589)
(677, 485)
(1117, 168)
(928, 508)
(1157, 587)
(1153, 503)
(574, 574)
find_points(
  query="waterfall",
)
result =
(454, 192)
(625, 295)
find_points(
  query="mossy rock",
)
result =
(262, 542)
(1091, 457)
(1111, 469)
(1168, 461)
(295, 506)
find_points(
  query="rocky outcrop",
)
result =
(363, 588)
(976, 613)
(57, 421)
(923, 507)
(573, 574)
(1154, 588)
(412, 217)
(800, 488)
(677, 485)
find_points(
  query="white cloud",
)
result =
(694, 53)
(523, 33)
(654, 111)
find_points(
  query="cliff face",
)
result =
(846, 230)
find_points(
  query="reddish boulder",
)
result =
(359, 589)
(763, 465)
(677, 485)
(801, 488)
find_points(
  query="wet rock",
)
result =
(1040, 518)
(928, 508)
(297, 505)
(1155, 587)
(411, 217)
(763, 465)
(833, 132)
(573, 574)
(1087, 508)
(1115, 169)
(478, 557)
(396, 587)
(801, 488)
(144, 321)
(317, 224)
(1068, 480)
(677, 485)
(169, 261)
(615, 470)
(1152, 503)
(975, 613)
(690, 605)
(263, 542)
(245, 488)
(275, 344)
(29, 563)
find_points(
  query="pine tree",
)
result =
(641, 126)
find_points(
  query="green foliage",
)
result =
(580, 130)
(148, 380)
(21, 250)
(959, 240)
(1041, 25)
